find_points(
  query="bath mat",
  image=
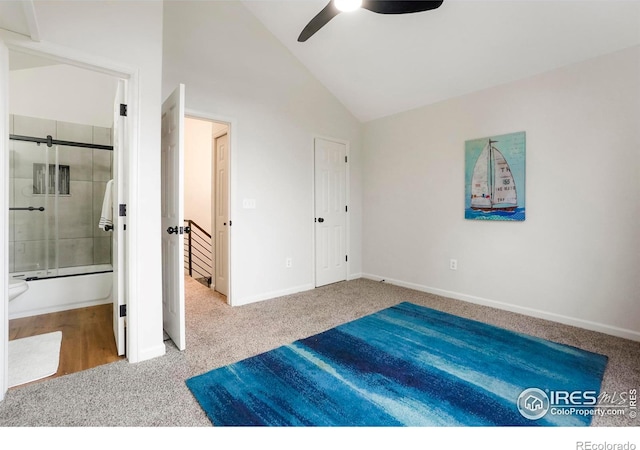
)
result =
(34, 357)
(403, 366)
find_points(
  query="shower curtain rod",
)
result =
(51, 142)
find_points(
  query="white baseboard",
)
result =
(270, 295)
(566, 320)
(283, 292)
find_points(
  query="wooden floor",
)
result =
(87, 336)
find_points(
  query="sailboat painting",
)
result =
(495, 178)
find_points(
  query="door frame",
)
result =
(347, 194)
(117, 70)
(4, 219)
(232, 127)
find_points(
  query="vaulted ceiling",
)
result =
(378, 65)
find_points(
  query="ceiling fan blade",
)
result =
(320, 20)
(399, 6)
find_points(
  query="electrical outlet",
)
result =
(288, 263)
(453, 264)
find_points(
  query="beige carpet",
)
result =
(153, 393)
(33, 358)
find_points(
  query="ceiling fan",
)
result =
(335, 7)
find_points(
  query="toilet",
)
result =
(16, 287)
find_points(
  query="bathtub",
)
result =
(72, 288)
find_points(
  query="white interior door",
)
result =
(330, 211)
(221, 247)
(118, 198)
(172, 161)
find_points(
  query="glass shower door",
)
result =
(35, 183)
(59, 178)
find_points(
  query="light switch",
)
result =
(249, 203)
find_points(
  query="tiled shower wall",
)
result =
(79, 240)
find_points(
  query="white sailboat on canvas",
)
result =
(492, 185)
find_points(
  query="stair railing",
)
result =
(198, 253)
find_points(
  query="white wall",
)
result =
(128, 34)
(233, 67)
(197, 170)
(63, 93)
(576, 258)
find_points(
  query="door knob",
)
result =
(320, 219)
(171, 230)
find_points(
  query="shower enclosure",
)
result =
(58, 175)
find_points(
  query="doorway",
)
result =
(206, 201)
(195, 162)
(63, 154)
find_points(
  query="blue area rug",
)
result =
(403, 366)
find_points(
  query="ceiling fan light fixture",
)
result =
(347, 5)
(335, 7)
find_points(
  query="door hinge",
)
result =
(229, 223)
(346, 208)
(123, 310)
(123, 110)
(122, 211)
(346, 257)
(345, 159)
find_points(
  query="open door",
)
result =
(172, 154)
(221, 208)
(119, 272)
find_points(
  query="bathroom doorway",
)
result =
(63, 166)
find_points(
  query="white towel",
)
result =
(106, 218)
